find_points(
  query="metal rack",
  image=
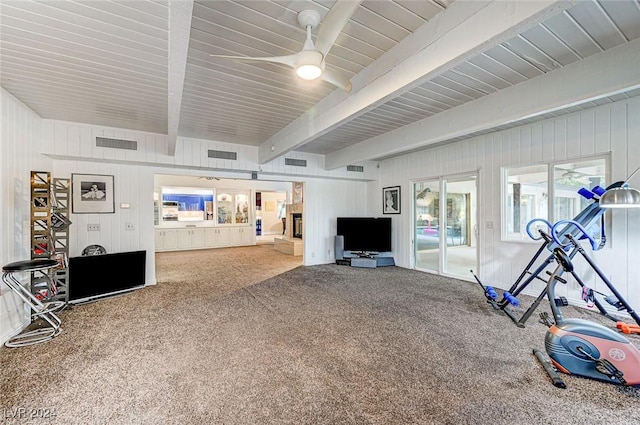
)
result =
(61, 190)
(50, 234)
(40, 214)
(47, 290)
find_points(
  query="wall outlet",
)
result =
(490, 225)
(129, 226)
(93, 227)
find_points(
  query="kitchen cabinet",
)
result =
(216, 237)
(166, 239)
(241, 236)
(230, 228)
(204, 237)
(233, 207)
(191, 238)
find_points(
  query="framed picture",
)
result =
(391, 200)
(92, 194)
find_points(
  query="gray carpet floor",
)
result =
(246, 336)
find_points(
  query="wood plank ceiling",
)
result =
(259, 99)
(94, 62)
(106, 63)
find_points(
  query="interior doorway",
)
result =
(270, 217)
(445, 226)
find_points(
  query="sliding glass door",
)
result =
(427, 225)
(445, 230)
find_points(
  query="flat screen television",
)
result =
(365, 234)
(96, 276)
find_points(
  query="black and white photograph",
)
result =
(92, 194)
(391, 200)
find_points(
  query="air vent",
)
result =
(295, 162)
(105, 142)
(356, 168)
(222, 154)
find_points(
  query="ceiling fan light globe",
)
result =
(308, 72)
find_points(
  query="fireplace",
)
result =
(297, 225)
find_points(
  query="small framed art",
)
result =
(391, 200)
(92, 194)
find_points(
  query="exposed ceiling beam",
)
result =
(604, 74)
(180, 12)
(463, 30)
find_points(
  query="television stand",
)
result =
(365, 262)
(365, 254)
(371, 261)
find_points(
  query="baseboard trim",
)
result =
(13, 332)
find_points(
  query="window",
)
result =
(568, 178)
(527, 191)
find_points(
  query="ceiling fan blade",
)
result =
(289, 60)
(333, 24)
(337, 79)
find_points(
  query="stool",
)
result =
(40, 310)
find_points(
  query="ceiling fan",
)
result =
(572, 174)
(309, 63)
(573, 177)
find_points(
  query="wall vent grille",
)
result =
(105, 142)
(356, 168)
(295, 162)
(222, 154)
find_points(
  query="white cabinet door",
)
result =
(158, 241)
(233, 206)
(170, 239)
(241, 236)
(248, 236)
(211, 238)
(184, 239)
(190, 238)
(235, 237)
(166, 239)
(215, 238)
(223, 237)
(197, 238)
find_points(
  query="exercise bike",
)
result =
(583, 348)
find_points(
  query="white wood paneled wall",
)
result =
(324, 201)
(610, 129)
(77, 141)
(133, 185)
(19, 147)
(72, 145)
